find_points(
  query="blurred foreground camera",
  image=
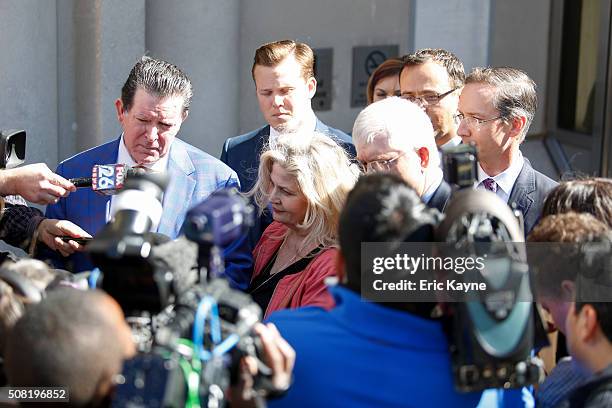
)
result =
(191, 329)
(12, 148)
(491, 333)
(214, 223)
(460, 164)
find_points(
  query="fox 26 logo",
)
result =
(109, 177)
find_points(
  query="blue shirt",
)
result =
(362, 354)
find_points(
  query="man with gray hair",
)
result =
(154, 102)
(496, 107)
(395, 135)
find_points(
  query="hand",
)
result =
(50, 230)
(36, 183)
(279, 356)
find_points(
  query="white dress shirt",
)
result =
(123, 156)
(504, 180)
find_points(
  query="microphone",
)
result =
(107, 179)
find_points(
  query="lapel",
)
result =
(177, 197)
(97, 203)
(440, 197)
(524, 187)
(261, 141)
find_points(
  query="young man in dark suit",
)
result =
(283, 72)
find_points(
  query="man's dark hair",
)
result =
(69, 339)
(594, 282)
(556, 263)
(159, 78)
(382, 208)
(589, 195)
(452, 64)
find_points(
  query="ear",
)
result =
(311, 83)
(589, 326)
(423, 153)
(185, 114)
(120, 111)
(340, 265)
(568, 289)
(517, 125)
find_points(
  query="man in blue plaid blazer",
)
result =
(154, 102)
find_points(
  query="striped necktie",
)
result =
(490, 184)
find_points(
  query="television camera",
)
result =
(191, 328)
(491, 335)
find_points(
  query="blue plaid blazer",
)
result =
(193, 173)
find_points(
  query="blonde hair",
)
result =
(324, 176)
(273, 53)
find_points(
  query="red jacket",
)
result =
(306, 288)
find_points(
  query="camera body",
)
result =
(191, 329)
(460, 164)
(491, 335)
(12, 148)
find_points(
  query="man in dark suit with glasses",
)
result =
(496, 107)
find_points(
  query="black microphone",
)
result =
(107, 179)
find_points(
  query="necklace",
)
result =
(280, 252)
(285, 265)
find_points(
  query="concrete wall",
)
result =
(460, 26)
(204, 42)
(339, 24)
(520, 39)
(28, 75)
(65, 60)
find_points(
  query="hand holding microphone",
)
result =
(34, 182)
(107, 179)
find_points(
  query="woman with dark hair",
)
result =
(384, 81)
(589, 195)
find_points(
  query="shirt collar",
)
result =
(123, 156)
(431, 190)
(505, 180)
(369, 319)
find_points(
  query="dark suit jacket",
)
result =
(440, 197)
(528, 194)
(242, 153)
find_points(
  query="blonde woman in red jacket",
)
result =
(305, 177)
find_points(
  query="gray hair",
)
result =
(159, 78)
(515, 94)
(404, 124)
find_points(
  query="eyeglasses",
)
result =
(472, 121)
(427, 100)
(378, 165)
